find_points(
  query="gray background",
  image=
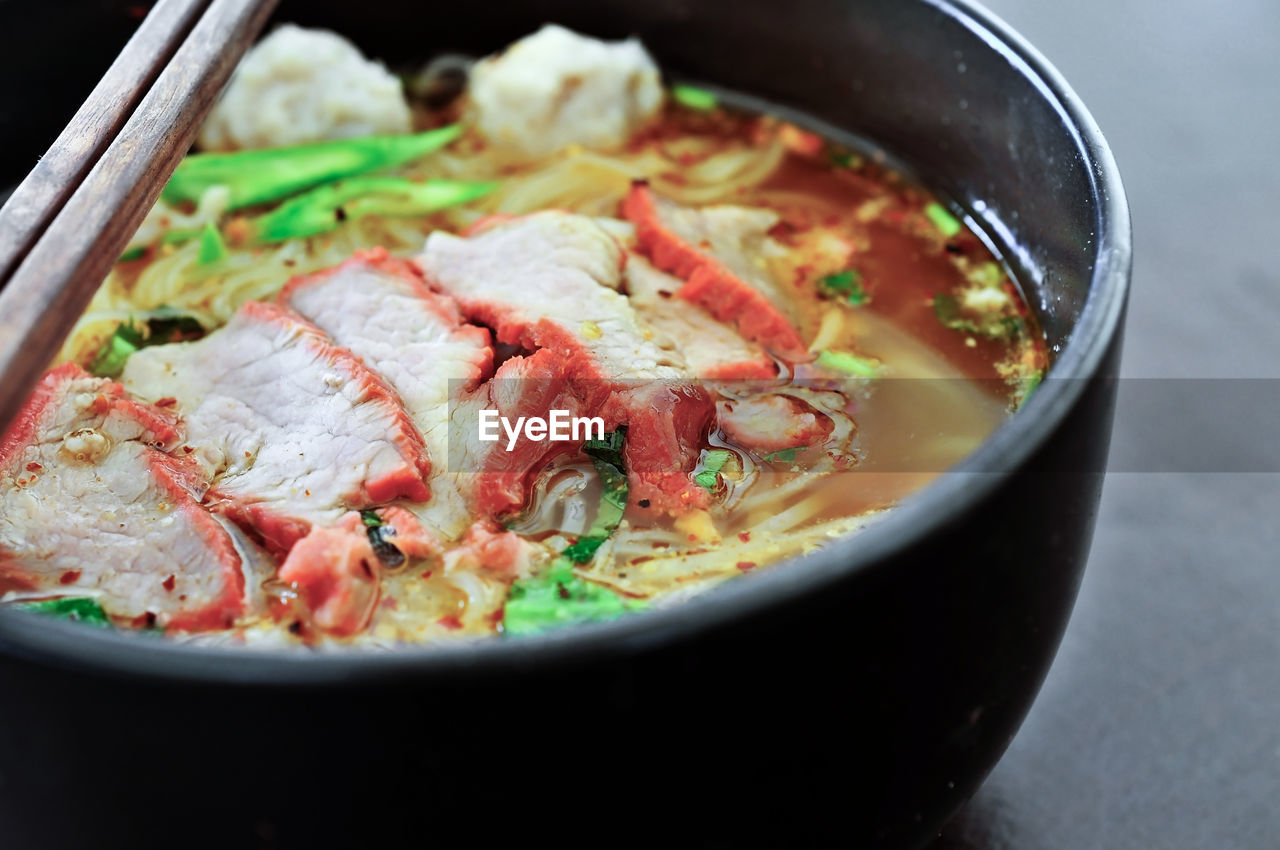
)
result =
(1159, 725)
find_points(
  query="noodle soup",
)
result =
(782, 337)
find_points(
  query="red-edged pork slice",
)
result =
(487, 546)
(89, 506)
(770, 423)
(711, 349)
(667, 427)
(336, 575)
(548, 282)
(407, 534)
(721, 253)
(493, 473)
(291, 429)
(379, 307)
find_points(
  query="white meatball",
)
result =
(556, 88)
(299, 86)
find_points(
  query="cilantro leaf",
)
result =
(165, 326)
(713, 461)
(783, 455)
(79, 609)
(845, 285)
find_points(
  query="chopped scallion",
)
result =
(946, 223)
(212, 249)
(852, 364)
(693, 97)
(115, 352)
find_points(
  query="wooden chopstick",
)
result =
(54, 282)
(33, 205)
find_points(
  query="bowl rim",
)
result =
(46, 641)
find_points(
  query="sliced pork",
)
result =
(486, 546)
(380, 308)
(291, 430)
(770, 423)
(556, 88)
(524, 386)
(550, 280)
(721, 253)
(336, 576)
(711, 349)
(89, 505)
(547, 283)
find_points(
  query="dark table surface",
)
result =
(1159, 725)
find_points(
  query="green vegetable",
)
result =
(166, 326)
(388, 553)
(845, 159)
(983, 275)
(853, 364)
(606, 454)
(1011, 326)
(947, 309)
(708, 471)
(262, 176)
(693, 97)
(943, 220)
(846, 285)
(76, 608)
(990, 325)
(212, 249)
(211, 243)
(783, 455)
(380, 534)
(1029, 384)
(110, 360)
(557, 597)
(169, 325)
(323, 209)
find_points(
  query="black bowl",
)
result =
(857, 695)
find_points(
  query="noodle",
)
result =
(762, 512)
(581, 181)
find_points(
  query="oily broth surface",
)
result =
(953, 395)
(941, 393)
